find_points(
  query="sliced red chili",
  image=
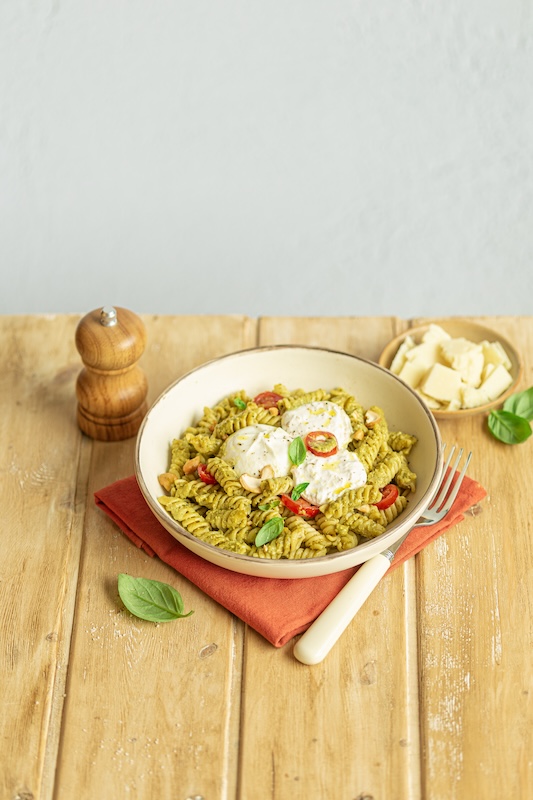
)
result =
(205, 475)
(300, 507)
(267, 399)
(321, 443)
(389, 495)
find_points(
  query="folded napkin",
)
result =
(277, 609)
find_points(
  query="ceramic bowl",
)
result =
(459, 328)
(257, 370)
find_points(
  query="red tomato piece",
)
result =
(300, 507)
(389, 496)
(321, 443)
(205, 475)
(267, 399)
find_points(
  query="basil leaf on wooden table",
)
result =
(508, 427)
(150, 600)
(270, 530)
(521, 404)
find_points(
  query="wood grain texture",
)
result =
(41, 539)
(475, 611)
(426, 696)
(346, 749)
(153, 708)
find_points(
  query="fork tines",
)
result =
(443, 497)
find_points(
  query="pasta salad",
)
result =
(288, 474)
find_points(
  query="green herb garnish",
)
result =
(298, 490)
(297, 451)
(511, 424)
(521, 403)
(239, 403)
(268, 506)
(150, 600)
(270, 530)
(508, 427)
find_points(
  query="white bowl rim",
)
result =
(365, 549)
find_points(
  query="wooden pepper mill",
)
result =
(111, 389)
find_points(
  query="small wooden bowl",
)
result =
(458, 328)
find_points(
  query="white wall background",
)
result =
(309, 157)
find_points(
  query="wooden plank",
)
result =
(42, 512)
(156, 710)
(475, 607)
(151, 710)
(361, 336)
(347, 727)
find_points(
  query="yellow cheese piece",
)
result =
(442, 383)
(430, 401)
(472, 398)
(452, 373)
(412, 373)
(494, 353)
(399, 359)
(435, 334)
(496, 383)
(487, 369)
(465, 357)
(426, 354)
(454, 405)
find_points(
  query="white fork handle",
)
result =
(314, 645)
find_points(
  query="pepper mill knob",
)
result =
(111, 389)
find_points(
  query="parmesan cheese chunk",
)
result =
(465, 357)
(442, 383)
(399, 359)
(435, 334)
(452, 373)
(430, 401)
(425, 354)
(496, 383)
(412, 373)
(494, 353)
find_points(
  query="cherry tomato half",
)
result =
(300, 507)
(321, 443)
(267, 399)
(205, 475)
(389, 496)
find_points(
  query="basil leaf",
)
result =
(508, 427)
(521, 404)
(270, 530)
(239, 403)
(150, 600)
(268, 506)
(297, 491)
(297, 451)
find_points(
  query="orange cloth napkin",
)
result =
(277, 609)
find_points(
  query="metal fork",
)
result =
(314, 645)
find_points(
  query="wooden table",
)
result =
(427, 695)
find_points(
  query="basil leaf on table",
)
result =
(297, 451)
(270, 530)
(150, 600)
(508, 427)
(521, 404)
